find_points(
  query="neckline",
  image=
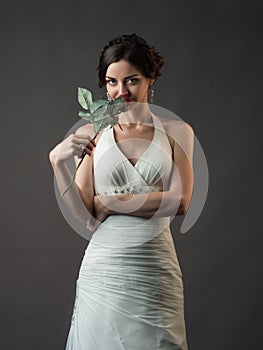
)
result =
(147, 149)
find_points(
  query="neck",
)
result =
(138, 113)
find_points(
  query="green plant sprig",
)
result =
(101, 113)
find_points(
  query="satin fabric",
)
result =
(129, 292)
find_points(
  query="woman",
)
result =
(129, 293)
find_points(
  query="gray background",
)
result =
(212, 79)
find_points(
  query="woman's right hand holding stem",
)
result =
(79, 195)
(73, 145)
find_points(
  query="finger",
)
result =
(81, 154)
(84, 145)
(92, 224)
(84, 152)
(88, 151)
(83, 148)
(80, 150)
(81, 138)
(93, 142)
(89, 146)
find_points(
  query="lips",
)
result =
(127, 99)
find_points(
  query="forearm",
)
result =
(80, 205)
(162, 204)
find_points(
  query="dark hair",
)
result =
(135, 50)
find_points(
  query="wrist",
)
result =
(107, 202)
(118, 204)
(58, 163)
(101, 205)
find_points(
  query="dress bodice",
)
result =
(115, 174)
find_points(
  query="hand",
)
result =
(73, 145)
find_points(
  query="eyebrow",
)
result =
(128, 77)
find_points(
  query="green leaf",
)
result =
(84, 97)
(102, 120)
(98, 119)
(115, 108)
(97, 104)
(106, 115)
(117, 100)
(101, 113)
(84, 115)
(97, 126)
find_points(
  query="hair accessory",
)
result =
(150, 95)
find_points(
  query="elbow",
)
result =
(183, 207)
(182, 210)
(52, 157)
(53, 154)
(177, 205)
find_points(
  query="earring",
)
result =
(108, 96)
(150, 95)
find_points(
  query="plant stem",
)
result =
(82, 158)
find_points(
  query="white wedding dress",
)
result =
(129, 292)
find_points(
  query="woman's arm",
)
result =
(176, 201)
(79, 197)
(141, 204)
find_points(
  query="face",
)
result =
(124, 79)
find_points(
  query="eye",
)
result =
(132, 81)
(110, 81)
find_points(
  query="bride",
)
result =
(129, 292)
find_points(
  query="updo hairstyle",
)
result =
(135, 50)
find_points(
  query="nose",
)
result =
(122, 90)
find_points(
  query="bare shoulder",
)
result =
(178, 131)
(86, 129)
(181, 137)
(170, 125)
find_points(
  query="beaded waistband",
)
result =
(127, 189)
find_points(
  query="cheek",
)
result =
(144, 90)
(111, 89)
